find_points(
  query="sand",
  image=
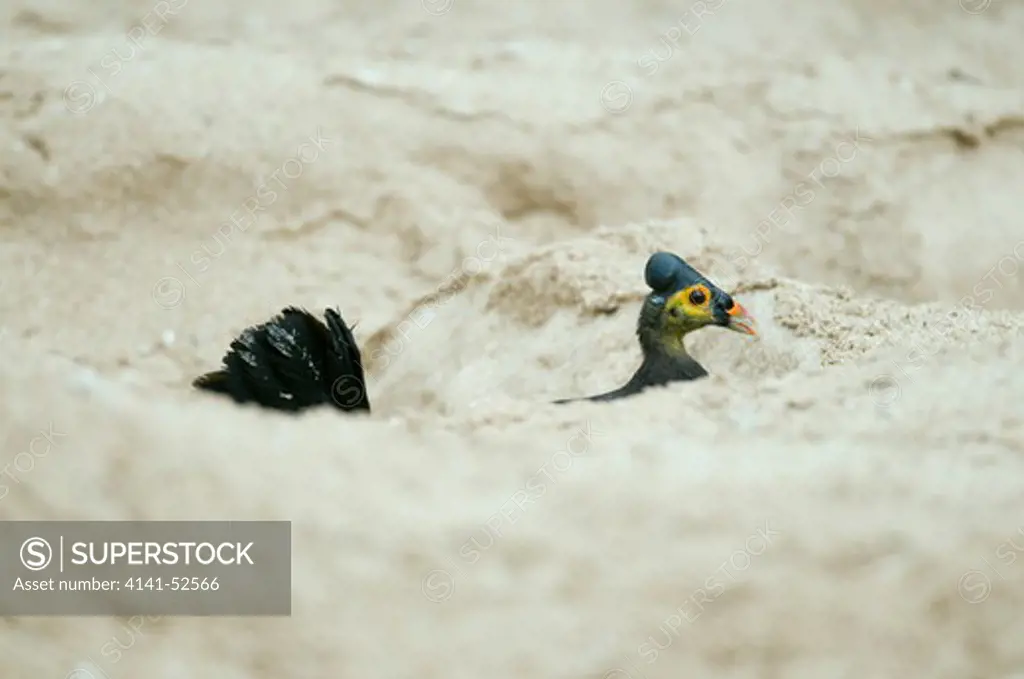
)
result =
(477, 186)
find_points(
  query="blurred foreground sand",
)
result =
(840, 499)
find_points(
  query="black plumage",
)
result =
(660, 365)
(294, 361)
(681, 300)
(291, 363)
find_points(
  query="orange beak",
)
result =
(740, 320)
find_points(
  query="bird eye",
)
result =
(698, 297)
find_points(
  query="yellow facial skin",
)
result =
(689, 309)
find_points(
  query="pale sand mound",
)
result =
(840, 499)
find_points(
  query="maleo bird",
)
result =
(681, 301)
(294, 361)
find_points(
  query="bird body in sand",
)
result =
(294, 361)
(681, 301)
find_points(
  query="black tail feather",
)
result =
(345, 365)
(293, 362)
(213, 381)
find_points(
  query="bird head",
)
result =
(683, 300)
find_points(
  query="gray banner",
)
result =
(129, 568)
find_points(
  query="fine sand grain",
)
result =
(477, 185)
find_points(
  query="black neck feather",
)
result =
(665, 359)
